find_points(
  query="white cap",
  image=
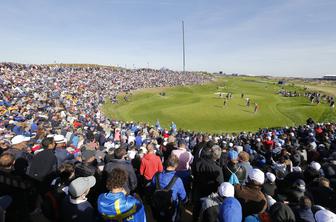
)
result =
(226, 190)
(258, 139)
(270, 200)
(271, 177)
(11, 122)
(315, 165)
(19, 139)
(59, 139)
(131, 154)
(325, 216)
(143, 149)
(230, 144)
(256, 175)
(297, 169)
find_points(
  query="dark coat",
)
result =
(208, 175)
(324, 196)
(125, 165)
(210, 208)
(269, 189)
(281, 212)
(304, 215)
(252, 200)
(42, 165)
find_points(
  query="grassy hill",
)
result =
(200, 108)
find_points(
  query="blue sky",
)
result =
(275, 37)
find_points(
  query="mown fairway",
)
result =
(199, 107)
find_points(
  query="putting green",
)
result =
(199, 107)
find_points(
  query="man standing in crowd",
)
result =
(178, 195)
(233, 172)
(117, 205)
(43, 166)
(60, 151)
(120, 162)
(251, 198)
(76, 207)
(208, 175)
(211, 204)
(150, 164)
(183, 169)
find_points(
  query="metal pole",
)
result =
(183, 47)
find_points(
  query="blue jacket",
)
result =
(179, 193)
(138, 141)
(230, 210)
(118, 207)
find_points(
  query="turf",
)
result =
(199, 108)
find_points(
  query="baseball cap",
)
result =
(256, 175)
(300, 185)
(270, 177)
(226, 190)
(59, 139)
(232, 155)
(80, 185)
(325, 216)
(315, 165)
(19, 139)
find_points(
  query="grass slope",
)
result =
(199, 108)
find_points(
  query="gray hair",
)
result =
(216, 152)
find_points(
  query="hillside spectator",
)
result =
(150, 164)
(244, 161)
(281, 212)
(121, 163)
(233, 172)
(230, 210)
(183, 169)
(76, 207)
(117, 204)
(303, 212)
(269, 187)
(208, 175)
(179, 196)
(323, 195)
(212, 203)
(250, 196)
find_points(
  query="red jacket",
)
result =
(150, 165)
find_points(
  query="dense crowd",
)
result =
(61, 159)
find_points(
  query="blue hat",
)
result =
(232, 155)
(230, 210)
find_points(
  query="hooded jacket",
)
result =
(281, 212)
(210, 207)
(116, 207)
(252, 200)
(125, 165)
(150, 164)
(230, 210)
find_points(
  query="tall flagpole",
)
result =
(183, 47)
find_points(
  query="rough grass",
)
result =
(199, 108)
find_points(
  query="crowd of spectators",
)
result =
(61, 159)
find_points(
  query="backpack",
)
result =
(233, 178)
(162, 199)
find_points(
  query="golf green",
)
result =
(200, 108)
